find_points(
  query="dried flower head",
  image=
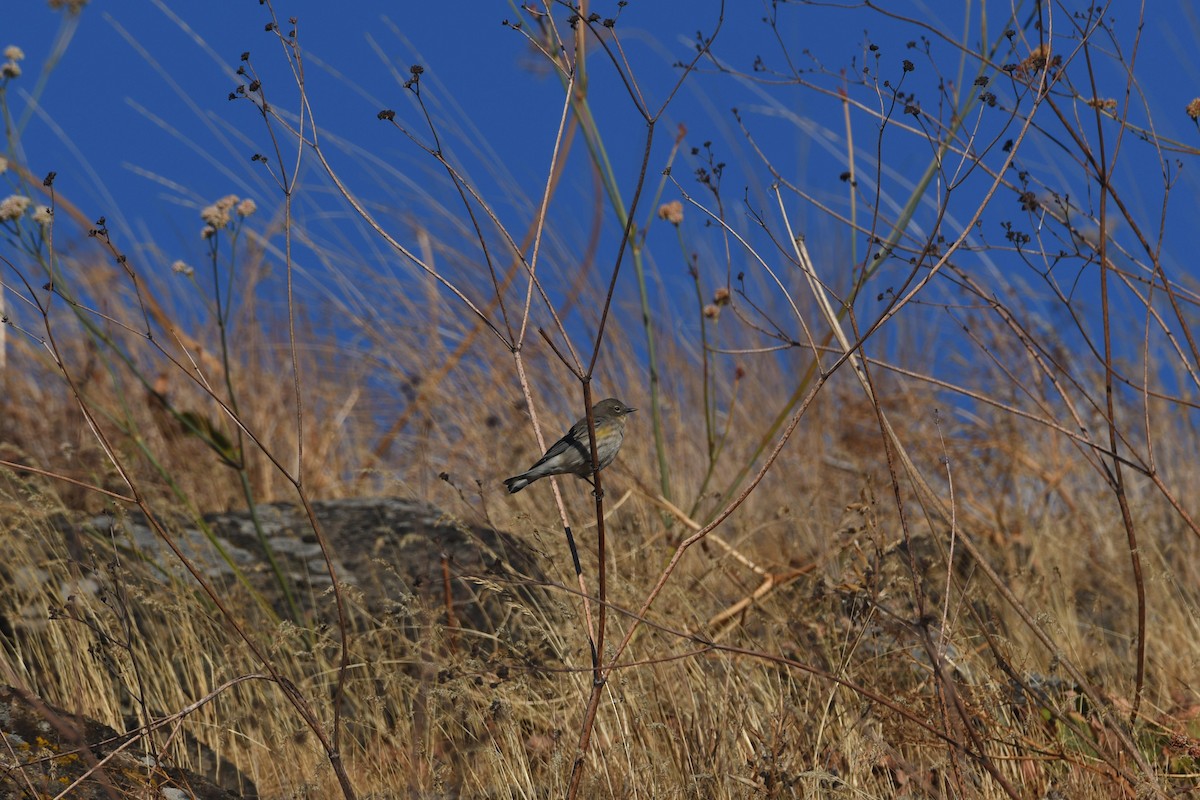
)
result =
(1193, 109)
(246, 207)
(14, 53)
(10, 69)
(672, 212)
(711, 311)
(217, 215)
(13, 206)
(43, 215)
(1039, 58)
(721, 296)
(212, 215)
(207, 232)
(72, 6)
(181, 268)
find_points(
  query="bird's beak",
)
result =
(630, 410)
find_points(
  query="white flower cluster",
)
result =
(218, 215)
(13, 206)
(10, 68)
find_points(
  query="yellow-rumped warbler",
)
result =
(572, 455)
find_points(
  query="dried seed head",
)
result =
(672, 212)
(72, 6)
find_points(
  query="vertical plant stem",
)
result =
(595, 144)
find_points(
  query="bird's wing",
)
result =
(568, 442)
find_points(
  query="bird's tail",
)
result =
(518, 482)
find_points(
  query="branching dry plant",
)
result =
(908, 513)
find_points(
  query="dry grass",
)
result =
(744, 706)
(929, 593)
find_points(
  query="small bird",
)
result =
(572, 455)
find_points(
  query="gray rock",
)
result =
(49, 749)
(390, 555)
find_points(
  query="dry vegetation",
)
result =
(947, 542)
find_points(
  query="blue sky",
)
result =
(136, 122)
